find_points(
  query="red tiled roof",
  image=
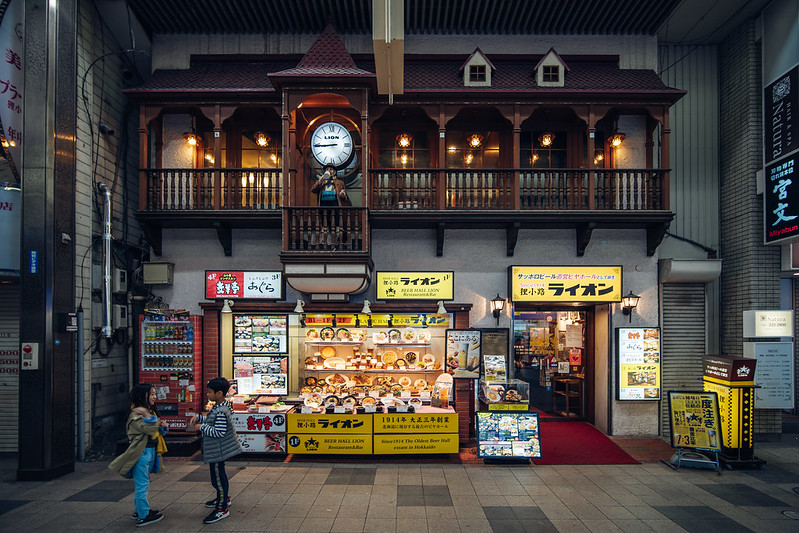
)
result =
(327, 56)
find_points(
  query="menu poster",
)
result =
(261, 374)
(463, 349)
(774, 374)
(260, 334)
(507, 434)
(495, 368)
(638, 363)
(695, 420)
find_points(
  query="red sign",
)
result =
(260, 285)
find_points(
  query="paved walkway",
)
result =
(348, 497)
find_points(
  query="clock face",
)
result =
(331, 143)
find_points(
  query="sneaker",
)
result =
(134, 516)
(211, 504)
(151, 518)
(216, 516)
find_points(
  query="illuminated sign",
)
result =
(695, 420)
(638, 351)
(781, 200)
(323, 423)
(735, 412)
(260, 285)
(565, 283)
(326, 443)
(416, 423)
(415, 285)
(505, 435)
(781, 120)
(776, 323)
(378, 320)
(417, 443)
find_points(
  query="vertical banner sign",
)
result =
(781, 199)
(695, 420)
(780, 117)
(638, 362)
(11, 82)
(415, 286)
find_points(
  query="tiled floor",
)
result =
(411, 497)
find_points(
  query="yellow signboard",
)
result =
(565, 283)
(333, 423)
(378, 320)
(508, 407)
(326, 443)
(415, 285)
(695, 421)
(416, 423)
(736, 411)
(417, 443)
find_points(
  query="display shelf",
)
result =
(333, 343)
(376, 370)
(569, 391)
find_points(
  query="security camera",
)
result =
(105, 129)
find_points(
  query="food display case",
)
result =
(510, 395)
(170, 358)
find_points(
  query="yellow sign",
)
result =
(334, 423)
(415, 286)
(418, 443)
(735, 408)
(326, 443)
(565, 283)
(695, 420)
(416, 423)
(378, 320)
(508, 407)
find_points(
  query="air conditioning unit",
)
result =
(119, 316)
(119, 281)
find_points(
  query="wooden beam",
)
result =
(654, 236)
(512, 237)
(440, 227)
(583, 234)
(225, 235)
(152, 232)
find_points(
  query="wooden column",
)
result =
(217, 157)
(590, 162)
(517, 146)
(441, 181)
(144, 146)
(465, 407)
(665, 158)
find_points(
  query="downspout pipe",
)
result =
(106, 331)
(81, 391)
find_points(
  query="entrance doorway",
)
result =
(553, 353)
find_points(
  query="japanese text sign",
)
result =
(638, 363)
(780, 117)
(695, 420)
(323, 423)
(416, 423)
(258, 422)
(781, 199)
(565, 283)
(415, 285)
(261, 285)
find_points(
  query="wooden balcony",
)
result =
(438, 199)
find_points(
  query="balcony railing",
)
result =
(418, 189)
(325, 229)
(210, 188)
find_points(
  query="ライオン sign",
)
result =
(565, 283)
(415, 286)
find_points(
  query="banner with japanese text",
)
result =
(695, 420)
(256, 285)
(415, 286)
(335, 423)
(638, 351)
(378, 320)
(565, 283)
(416, 423)
(416, 443)
(328, 443)
(781, 200)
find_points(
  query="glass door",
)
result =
(550, 352)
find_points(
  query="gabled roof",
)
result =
(476, 52)
(557, 56)
(327, 57)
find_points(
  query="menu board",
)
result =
(638, 363)
(774, 374)
(260, 334)
(261, 374)
(695, 420)
(507, 434)
(495, 368)
(463, 349)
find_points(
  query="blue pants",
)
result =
(220, 482)
(141, 481)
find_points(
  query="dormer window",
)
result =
(551, 73)
(477, 70)
(477, 73)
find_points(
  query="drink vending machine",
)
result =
(170, 359)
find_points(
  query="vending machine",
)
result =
(170, 359)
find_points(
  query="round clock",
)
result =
(331, 144)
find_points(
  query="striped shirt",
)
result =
(219, 428)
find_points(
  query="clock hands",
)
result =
(324, 145)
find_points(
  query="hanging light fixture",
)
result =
(441, 310)
(404, 140)
(599, 157)
(403, 158)
(475, 140)
(191, 138)
(533, 158)
(469, 158)
(497, 305)
(546, 139)
(617, 138)
(262, 139)
(367, 309)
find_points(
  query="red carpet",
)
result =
(578, 443)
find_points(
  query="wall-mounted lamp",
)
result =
(262, 139)
(546, 139)
(497, 305)
(300, 307)
(628, 303)
(441, 310)
(474, 140)
(191, 138)
(599, 157)
(404, 140)
(226, 306)
(366, 307)
(617, 138)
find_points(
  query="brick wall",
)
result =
(750, 277)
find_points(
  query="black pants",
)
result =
(220, 483)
